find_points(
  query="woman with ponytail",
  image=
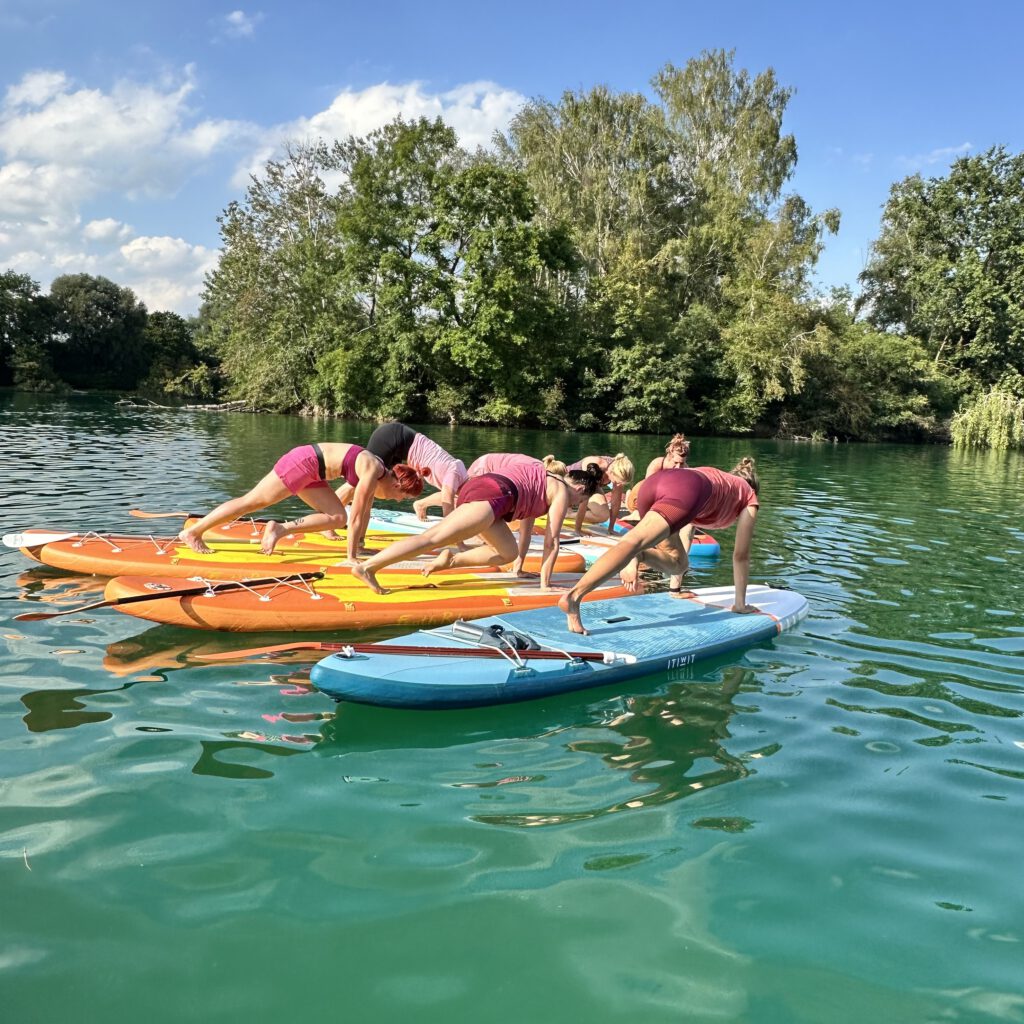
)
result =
(304, 472)
(616, 473)
(668, 501)
(502, 488)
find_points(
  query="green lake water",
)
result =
(827, 827)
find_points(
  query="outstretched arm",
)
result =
(362, 502)
(741, 559)
(556, 517)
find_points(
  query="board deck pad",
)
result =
(236, 554)
(639, 635)
(341, 602)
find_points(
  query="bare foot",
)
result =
(272, 533)
(442, 560)
(332, 535)
(195, 542)
(570, 604)
(364, 575)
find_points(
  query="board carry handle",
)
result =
(159, 595)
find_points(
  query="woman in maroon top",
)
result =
(668, 501)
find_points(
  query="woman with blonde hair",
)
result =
(616, 474)
(677, 451)
(668, 501)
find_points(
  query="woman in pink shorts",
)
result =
(305, 472)
(669, 501)
(501, 489)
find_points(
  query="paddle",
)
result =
(141, 514)
(34, 538)
(407, 649)
(216, 588)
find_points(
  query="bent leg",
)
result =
(499, 548)
(651, 530)
(473, 517)
(329, 514)
(598, 509)
(268, 491)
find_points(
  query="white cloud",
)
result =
(65, 147)
(239, 25)
(475, 110)
(106, 230)
(942, 155)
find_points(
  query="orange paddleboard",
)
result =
(118, 555)
(341, 602)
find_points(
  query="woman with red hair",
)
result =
(304, 472)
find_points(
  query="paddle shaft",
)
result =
(117, 602)
(406, 649)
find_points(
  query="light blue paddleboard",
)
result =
(591, 545)
(636, 636)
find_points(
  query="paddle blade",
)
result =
(141, 514)
(250, 652)
(34, 538)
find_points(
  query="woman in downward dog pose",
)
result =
(677, 451)
(501, 488)
(395, 443)
(617, 474)
(668, 501)
(305, 472)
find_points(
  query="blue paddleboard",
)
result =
(635, 636)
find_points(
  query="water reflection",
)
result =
(671, 743)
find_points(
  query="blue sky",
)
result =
(126, 128)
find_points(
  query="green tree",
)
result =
(25, 326)
(99, 333)
(177, 367)
(948, 266)
(273, 307)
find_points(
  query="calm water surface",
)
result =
(824, 828)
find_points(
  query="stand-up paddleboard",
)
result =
(393, 525)
(595, 540)
(339, 601)
(489, 661)
(117, 555)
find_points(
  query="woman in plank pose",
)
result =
(501, 488)
(668, 501)
(395, 443)
(305, 472)
(616, 474)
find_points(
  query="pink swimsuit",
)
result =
(303, 467)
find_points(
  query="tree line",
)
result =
(613, 262)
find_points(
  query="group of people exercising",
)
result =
(498, 490)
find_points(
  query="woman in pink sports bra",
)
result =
(501, 489)
(670, 501)
(305, 472)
